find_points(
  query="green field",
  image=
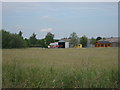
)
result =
(60, 68)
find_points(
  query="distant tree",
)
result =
(20, 33)
(98, 38)
(56, 40)
(73, 39)
(32, 40)
(16, 41)
(27, 42)
(43, 44)
(12, 40)
(5, 39)
(92, 40)
(83, 41)
(38, 42)
(49, 38)
(104, 38)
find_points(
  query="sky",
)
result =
(92, 19)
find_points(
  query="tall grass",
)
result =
(60, 68)
(0, 68)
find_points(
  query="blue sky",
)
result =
(89, 18)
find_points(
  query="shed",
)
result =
(78, 46)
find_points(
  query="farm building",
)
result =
(103, 44)
(113, 40)
(63, 44)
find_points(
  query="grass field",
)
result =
(60, 68)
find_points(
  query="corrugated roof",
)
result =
(112, 39)
(103, 42)
(65, 39)
(61, 41)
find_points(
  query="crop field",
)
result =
(60, 68)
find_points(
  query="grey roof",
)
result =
(61, 41)
(64, 40)
(112, 39)
(103, 42)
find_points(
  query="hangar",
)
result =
(63, 44)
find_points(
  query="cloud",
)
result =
(19, 27)
(46, 29)
(46, 17)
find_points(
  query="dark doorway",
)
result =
(62, 44)
(106, 45)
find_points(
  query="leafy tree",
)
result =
(49, 38)
(16, 41)
(83, 41)
(56, 40)
(12, 40)
(27, 42)
(5, 39)
(92, 40)
(104, 38)
(20, 33)
(98, 38)
(38, 43)
(73, 39)
(32, 40)
(42, 43)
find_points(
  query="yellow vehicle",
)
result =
(78, 46)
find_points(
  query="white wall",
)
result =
(66, 44)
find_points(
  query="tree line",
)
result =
(13, 40)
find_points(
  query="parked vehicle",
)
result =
(54, 45)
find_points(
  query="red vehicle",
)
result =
(54, 45)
